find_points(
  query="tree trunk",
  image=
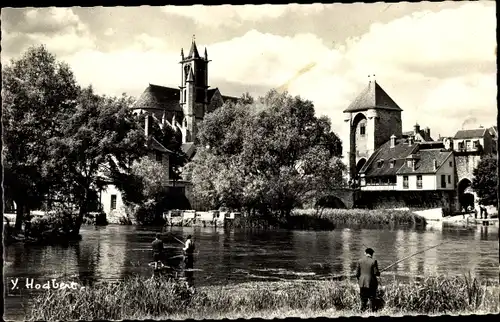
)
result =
(19, 214)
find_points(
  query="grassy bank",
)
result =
(137, 298)
(328, 219)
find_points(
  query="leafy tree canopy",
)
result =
(485, 181)
(269, 154)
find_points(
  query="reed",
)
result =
(363, 218)
(137, 298)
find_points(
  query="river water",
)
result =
(222, 257)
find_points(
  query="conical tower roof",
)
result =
(193, 52)
(372, 97)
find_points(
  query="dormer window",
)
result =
(409, 163)
(392, 163)
(380, 163)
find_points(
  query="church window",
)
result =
(362, 129)
(184, 96)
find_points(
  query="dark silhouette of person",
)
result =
(157, 249)
(366, 273)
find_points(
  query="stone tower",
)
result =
(371, 119)
(194, 87)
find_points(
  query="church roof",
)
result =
(425, 165)
(212, 91)
(385, 153)
(470, 134)
(159, 97)
(153, 144)
(373, 96)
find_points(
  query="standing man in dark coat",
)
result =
(366, 273)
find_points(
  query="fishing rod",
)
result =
(409, 256)
(340, 277)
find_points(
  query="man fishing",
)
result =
(188, 262)
(366, 273)
(157, 250)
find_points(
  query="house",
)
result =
(111, 197)
(394, 169)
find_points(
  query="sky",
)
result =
(436, 60)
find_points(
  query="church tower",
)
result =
(371, 119)
(194, 88)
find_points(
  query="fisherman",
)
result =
(157, 250)
(188, 252)
(188, 263)
(366, 273)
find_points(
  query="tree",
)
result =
(38, 95)
(100, 138)
(485, 181)
(268, 154)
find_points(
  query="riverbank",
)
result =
(139, 298)
(314, 219)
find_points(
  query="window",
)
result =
(184, 96)
(362, 129)
(419, 182)
(468, 144)
(405, 182)
(451, 163)
(449, 179)
(159, 157)
(392, 163)
(460, 145)
(409, 163)
(443, 181)
(113, 202)
(476, 144)
(380, 163)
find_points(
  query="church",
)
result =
(396, 169)
(182, 109)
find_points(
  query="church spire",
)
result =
(193, 53)
(182, 53)
(206, 55)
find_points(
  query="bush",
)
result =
(53, 227)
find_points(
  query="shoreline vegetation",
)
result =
(140, 298)
(319, 219)
(61, 227)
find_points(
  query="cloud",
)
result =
(60, 29)
(229, 15)
(441, 44)
(436, 65)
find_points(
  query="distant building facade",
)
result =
(393, 168)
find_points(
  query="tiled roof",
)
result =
(159, 97)
(425, 164)
(230, 99)
(189, 149)
(373, 96)
(470, 134)
(398, 153)
(423, 135)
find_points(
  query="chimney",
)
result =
(163, 120)
(416, 128)
(435, 164)
(393, 141)
(410, 140)
(427, 133)
(414, 164)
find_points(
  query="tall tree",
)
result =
(485, 180)
(268, 154)
(38, 95)
(99, 138)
